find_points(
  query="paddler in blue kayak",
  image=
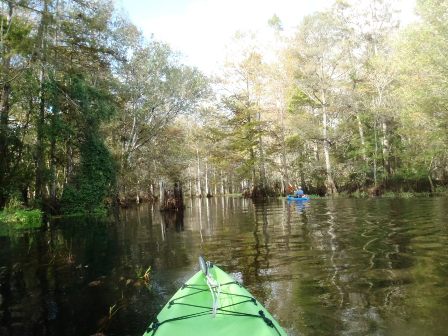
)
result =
(299, 192)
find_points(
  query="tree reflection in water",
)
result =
(327, 267)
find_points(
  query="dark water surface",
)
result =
(328, 267)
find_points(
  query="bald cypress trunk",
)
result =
(171, 199)
(331, 187)
(40, 145)
(5, 106)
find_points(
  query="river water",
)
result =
(325, 267)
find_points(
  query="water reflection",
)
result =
(325, 267)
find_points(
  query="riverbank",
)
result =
(393, 194)
(20, 218)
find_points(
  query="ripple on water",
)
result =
(327, 267)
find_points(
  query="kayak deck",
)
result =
(293, 198)
(190, 312)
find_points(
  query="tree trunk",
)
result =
(198, 191)
(223, 188)
(151, 191)
(362, 138)
(262, 159)
(207, 187)
(161, 193)
(386, 148)
(429, 175)
(5, 107)
(215, 183)
(40, 150)
(331, 187)
(251, 150)
(40, 143)
(375, 174)
(254, 171)
(230, 184)
(316, 152)
(53, 177)
(4, 153)
(283, 159)
(172, 199)
(69, 161)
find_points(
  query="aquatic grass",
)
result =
(147, 274)
(314, 196)
(358, 194)
(442, 189)
(402, 194)
(105, 322)
(143, 275)
(113, 310)
(406, 194)
(97, 213)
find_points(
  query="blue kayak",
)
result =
(293, 198)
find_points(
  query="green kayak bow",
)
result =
(213, 303)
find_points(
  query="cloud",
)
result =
(204, 27)
(201, 29)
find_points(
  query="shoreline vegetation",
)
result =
(94, 115)
(16, 216)
(21, 218)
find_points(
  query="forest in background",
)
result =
(92, 113)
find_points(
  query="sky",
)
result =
(201, 30)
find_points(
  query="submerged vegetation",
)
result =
(94, 114)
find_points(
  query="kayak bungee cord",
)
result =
(212, 285)
(229, 302)
(207, 310)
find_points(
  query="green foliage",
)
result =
(298, 100)
(21, 218)
(14, 204)
(275, 23)
(93, 182)
(94, 178)
(24, 219)
(155, 90)
(93, 108)
(16, 216)
(62, 91)
(17, 39)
